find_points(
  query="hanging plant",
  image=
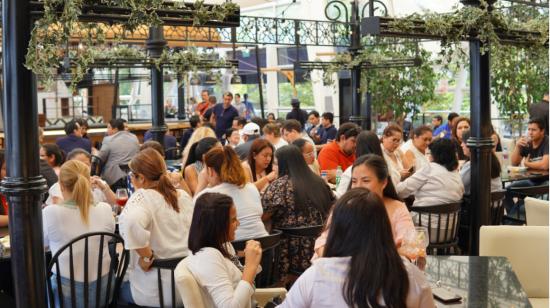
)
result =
(52, 33)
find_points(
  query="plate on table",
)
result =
(517, 169)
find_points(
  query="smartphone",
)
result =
(445, 296)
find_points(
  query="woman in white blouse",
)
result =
(391, 140)
(360, 266)
(225, 174)
(77, 214)
(214, 264)
(415, 155)
(155, 225)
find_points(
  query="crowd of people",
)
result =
(243, 176)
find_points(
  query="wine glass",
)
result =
(422, 240)
(414, 243)
(121, 197)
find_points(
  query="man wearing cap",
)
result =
(296, 113)
(250, 132)
(224, 114)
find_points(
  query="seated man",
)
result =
(250, 132)
(118, 148)
(340, 152)
(533, 150)
(74, 139)
(327, 131)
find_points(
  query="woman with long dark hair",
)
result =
(460, 125)
(362, 261)
(214, 263)
(195, 161)
(308, 151)
(259, 164)
(154, 224)
(367, 143)
(297, 198)
(466, 172)
(371, 172)
(224, 174)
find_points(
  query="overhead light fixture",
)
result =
(236, 79)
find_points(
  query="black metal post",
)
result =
(480, 142)
(368, 100)
(23, 186)
(181, 98)
(155, 46)
(260, 86)
(355, 21)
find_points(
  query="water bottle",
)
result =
(338, 175)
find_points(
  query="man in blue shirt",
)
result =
(224, 115)
(250, 112)
(327, 131)
(74, 139)
(444, 131)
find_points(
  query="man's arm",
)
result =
(538, 165)
(516, 154)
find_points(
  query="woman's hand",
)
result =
(98, 182)
(252, 253)
(145, 266)
(272, 175)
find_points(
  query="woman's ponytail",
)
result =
(74, 176)
(168, 191)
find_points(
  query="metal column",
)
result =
(23, 186)
(155, 46)
(355, 21)
(181, 98)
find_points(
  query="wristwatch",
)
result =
(149, 259)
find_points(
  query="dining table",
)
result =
(479, 281)
(529, 174)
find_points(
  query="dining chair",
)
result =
(165, 265)
(78, 251)
(192, 293)
(540, 192)
(536, 211)
(526, 247)
(497, 207)
(271, 251)
(442, 221)
(299, 234)
(172, 153)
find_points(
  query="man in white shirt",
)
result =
(272, 133)
(240, 106)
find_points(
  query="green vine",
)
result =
(51, 37)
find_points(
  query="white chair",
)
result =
(526, 247)
(192, 294)
(536, 211)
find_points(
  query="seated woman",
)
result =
(308, 151)
(199, 134)
(154, 225)
(371, 172)
(52, 154)
(77, 215)
(391, 139)
(416, 153)
(195, 161)
(214, 263)
(259, 164)
(437, 183)
(460, 125)
(101, 192)
(298, 198)
(367, 143)
(232, 137)
(360, 266)
(225, 174)
(466, 174)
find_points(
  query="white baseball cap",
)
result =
(251, 129)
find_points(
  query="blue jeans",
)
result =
(79, 291)
(125, 295)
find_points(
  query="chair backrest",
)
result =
(172, 153)
(536, 211)
(526, 247)
(271, 245)
(189, 289)
(539, 191)
(309, 233)
(103, 297)
(497, 207)
(97, 166)
(166, 264)
(443, 219)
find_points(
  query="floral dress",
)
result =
(278, 201)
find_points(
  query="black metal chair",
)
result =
(97, 166)
(271, 251)
(539, 192)
(300, 233)
(166, 264)
(117, 269)
(446, 218)
(172, 153)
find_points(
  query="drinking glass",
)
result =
(414, 243)
(121, 197)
